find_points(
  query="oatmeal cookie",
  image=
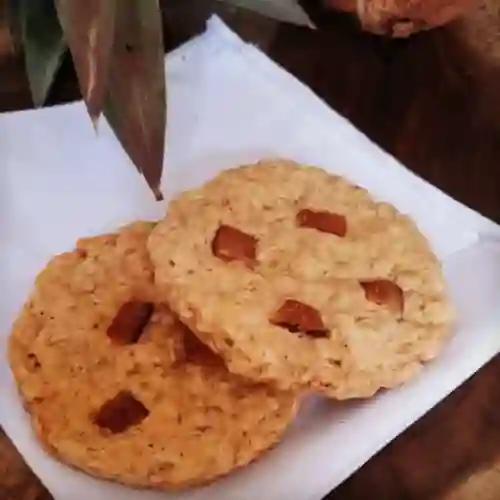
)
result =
(116, 386)
(299, 278)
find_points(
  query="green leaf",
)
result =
(288, 11)
(43, 42)
(136, 100)
(88, 27)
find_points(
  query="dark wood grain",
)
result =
(434, 102)
(17, 482)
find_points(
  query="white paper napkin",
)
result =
(228, 104)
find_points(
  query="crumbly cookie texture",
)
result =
(299, 278)
(118, 387)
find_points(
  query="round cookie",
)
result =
(115, 385)
(299, 278)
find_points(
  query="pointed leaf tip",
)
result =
(43, 44)
(89, 30)
(158, 194)
(136, 101)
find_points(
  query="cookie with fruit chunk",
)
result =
(298, 278)
(116, 386)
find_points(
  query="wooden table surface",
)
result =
(434, 102)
